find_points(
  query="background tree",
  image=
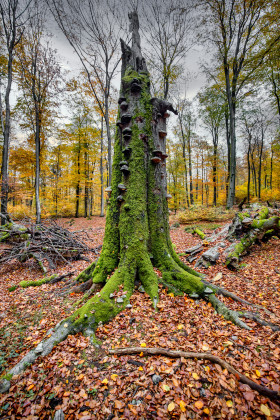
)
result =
(235, 30)
(212, 113)
(39, 75)
(13, 22)
(170, 25)
(92, 29)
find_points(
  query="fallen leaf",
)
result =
(175, 382)
(199, 404)
(171, 406)
(218, 277)
(265, 410)
(119, 404)
(229, 403)
(195, 376)
(182, 406)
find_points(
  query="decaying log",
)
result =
(208, 258)
(253, 229)
(248, 227)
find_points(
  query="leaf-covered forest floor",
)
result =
(87, 383)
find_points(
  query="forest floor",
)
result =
(87, 383)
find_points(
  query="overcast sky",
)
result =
(70, 63)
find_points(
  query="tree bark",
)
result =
(101, 172)
(78, 180)
(249, 175)
(215, 146)
(260, 164)
(37, 170)
(6, 135)
(190, 165)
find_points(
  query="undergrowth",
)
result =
(205, 214)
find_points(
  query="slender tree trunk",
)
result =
(185, 160)
(271, 167)
(1, 108)
(260, 165)
(202, 170)
(101, 172)
(107, 122)
(254, 176)
(232, 167)
(249, 174)
(228, 149)
(38, 168)
(196, 186)
(6, 143)
(56, 180)
(78, 179)
(86, 174)
(190, 166)
(215, 174)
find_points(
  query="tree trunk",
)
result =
(107, 122)
(37, 170)
(271, 167)
(215, 173)
(190, 167)
(260, 166)
(6, 144)
(185, 160)
(249, 174)
(86, 174)
(78, 180)
(228, 149)
(101, 172)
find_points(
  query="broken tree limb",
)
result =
(263, 390)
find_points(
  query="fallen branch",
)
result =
(49, 242)
(274, 395)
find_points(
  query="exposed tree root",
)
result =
(105, 305)
(227, 313)
(258, 320)
(221, 291)
(274, 395)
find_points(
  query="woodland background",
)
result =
(67, 118)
